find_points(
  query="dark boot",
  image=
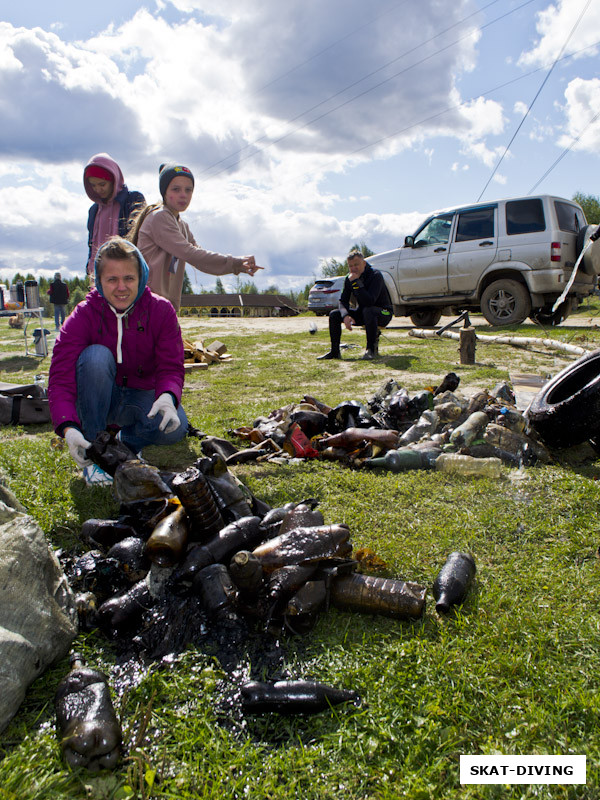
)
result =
(369, 355)
(331, 354)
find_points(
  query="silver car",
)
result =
(325, 294)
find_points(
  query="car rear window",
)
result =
(570, 218)
(525, 216)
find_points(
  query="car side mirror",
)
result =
(409, 241)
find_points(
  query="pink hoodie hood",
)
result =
(106, 162)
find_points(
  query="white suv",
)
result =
(510, 259)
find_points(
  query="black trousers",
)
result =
(372, 317)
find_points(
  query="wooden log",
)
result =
(466, 347)
(516, 341)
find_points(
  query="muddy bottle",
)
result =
(514, 442)
(247, 573)
(292, 697)
(215, 587)
(124, 612)
(285, 581)
(319, 405)
(404, 458)
(304, 545)
(168, 540)
(105, 532)
(130, 554)
(193, 490)
(425, 426)
(354, 437)
(464, 434)
(370, 595)
(457, 464)
(108, 452)
(478, 401)
(449, 384)
(420, 402)
(452, 583)
(89, 732)
(232, 497)
(511, 418)
(239, 535)
(308, 599)
(304, 514)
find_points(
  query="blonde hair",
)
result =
(136, 220)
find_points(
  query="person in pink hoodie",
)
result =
(113, 203)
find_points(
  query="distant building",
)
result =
(238, 305)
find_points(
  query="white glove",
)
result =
(77, 444)
(164, 405)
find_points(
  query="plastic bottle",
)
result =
(371, 595)
(463, 435)
(89, 732)
(424, 426)
(304, 544)
(192, 488)
(168, 540)
(292, 697)
(453, 581)
(404, 458)
(511, 418)
(467, 465)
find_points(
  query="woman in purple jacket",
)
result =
(118, 361)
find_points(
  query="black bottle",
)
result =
(453, 582)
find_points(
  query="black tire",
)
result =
(426, 317)
(567, 410)
(505, 302)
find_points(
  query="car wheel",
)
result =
(505, 302)
(426, 317)
(567, 410)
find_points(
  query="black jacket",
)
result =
(59, 293)
(368, 290)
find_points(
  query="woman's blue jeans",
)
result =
(100, 402)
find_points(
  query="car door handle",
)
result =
(485, 244)
(440, 250)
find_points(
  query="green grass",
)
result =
(514, 671)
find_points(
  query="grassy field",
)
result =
(514, 671)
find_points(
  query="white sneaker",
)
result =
(94, 476)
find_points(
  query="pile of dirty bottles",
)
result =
(436, 428)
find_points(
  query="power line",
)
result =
(520, 125)
(564, 153)
(366, 91)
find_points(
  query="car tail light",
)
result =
(329, 291)
(555, 251)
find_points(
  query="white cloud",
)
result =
(582, 105)
(554, 24)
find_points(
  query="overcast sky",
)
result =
(308, 124)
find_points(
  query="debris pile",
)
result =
(437, 427)
(198, 356)
(195, 551)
